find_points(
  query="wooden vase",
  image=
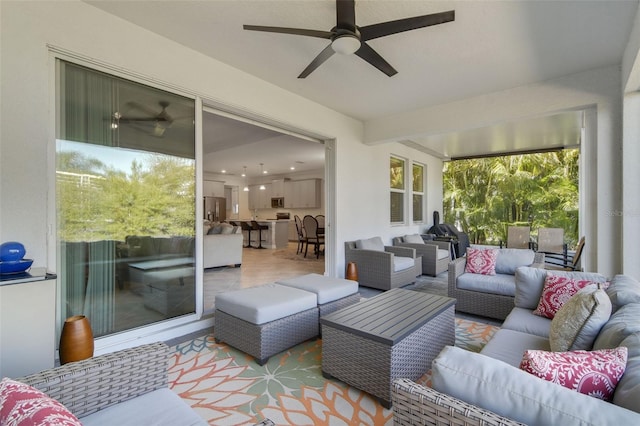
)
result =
(352, 272)
(76, 339)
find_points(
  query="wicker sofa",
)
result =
(489, 295)
(127, 387)
(436, 255)
(489, 388)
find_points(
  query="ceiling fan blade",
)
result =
(346, 15)
(322, 56)
(294, 31)
(382, 29)
(371, 56)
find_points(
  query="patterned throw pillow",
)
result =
(22, 405)
(593, 373)
(481, 261)
(556, 292)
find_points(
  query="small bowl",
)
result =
(15, 266)
(11, 250)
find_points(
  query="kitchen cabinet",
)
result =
(213, 188)
(259, 198)
(277, 187)
(302, 194)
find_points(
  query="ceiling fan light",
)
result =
(345, 45)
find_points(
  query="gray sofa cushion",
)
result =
(624, 322)
(494, 284)
(516, 394)
(509, 346)
(413, 239)
(623, 290)
(530, 282)
(523, 320)
(627, 392)
(374, 243)
(161, 407)
(510, 259)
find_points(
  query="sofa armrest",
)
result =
(401, 251)
(417, 404)
(87, 386)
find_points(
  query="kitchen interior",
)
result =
(256, 172)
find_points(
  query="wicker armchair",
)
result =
(479, 303)
(414, 404)
(375, 268)
(433, 262)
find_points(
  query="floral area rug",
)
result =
(226, 387)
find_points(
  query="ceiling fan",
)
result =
(347, 38)
(160, 121)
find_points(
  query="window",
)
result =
(397, 176)
(418, 192)
(125, 200)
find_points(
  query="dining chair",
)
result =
(518, 237)
(300, 232)
(310, 224)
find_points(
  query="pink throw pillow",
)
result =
(481, 261)
(23, 405)
(593, 373)
(556, 292)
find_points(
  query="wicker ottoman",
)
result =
(395, 334)
(263, 321)
(332, 293)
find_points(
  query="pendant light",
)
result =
(244, 174)
(262, 187)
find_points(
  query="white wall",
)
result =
(27, 110)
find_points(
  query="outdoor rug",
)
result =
(226, 387)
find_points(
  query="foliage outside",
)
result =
(482, 197)
(97, 202)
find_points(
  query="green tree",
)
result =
(484, 196)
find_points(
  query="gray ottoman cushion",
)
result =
(265, 303)
(327, 289)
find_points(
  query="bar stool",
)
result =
(247, 227)
(257, 227)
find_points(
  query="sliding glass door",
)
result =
(125, 200)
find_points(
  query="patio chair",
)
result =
(518, 237)
(383, 267)
(551, 243)
(436, 255)
(566, 262)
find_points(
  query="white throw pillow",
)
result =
(413, 239)
(374, 243)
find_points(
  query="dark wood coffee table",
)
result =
(395, 334)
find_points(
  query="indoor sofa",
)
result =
(490, 388)
(127, 387)
(489, 295)
(222, 246)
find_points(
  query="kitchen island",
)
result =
(276, 236)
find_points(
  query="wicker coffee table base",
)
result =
(264, 340)
(372, 366)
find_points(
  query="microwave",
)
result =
(277, 203)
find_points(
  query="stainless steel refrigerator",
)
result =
(215, 209)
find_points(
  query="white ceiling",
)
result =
(491, 46)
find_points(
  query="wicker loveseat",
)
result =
(489, 295)
(127, 387)
(489, 388)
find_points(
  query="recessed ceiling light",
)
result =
(223, 171)
(292, 168)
